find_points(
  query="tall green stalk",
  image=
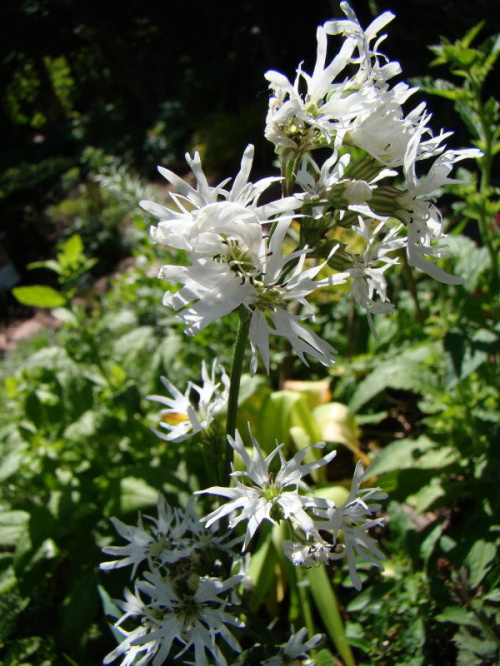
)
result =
(234, 388)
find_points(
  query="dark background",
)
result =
(145, 80)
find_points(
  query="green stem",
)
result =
(234, 388)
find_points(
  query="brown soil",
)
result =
(22, 329)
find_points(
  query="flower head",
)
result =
(181, 418)
(261, 495)
(355, 518)
(293, 649)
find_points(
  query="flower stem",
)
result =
(234, 388)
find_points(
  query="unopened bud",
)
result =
(357, 192)
(390, 201)
(349, 192)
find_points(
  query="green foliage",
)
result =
(75, 444)
(473, 67)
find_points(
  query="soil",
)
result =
(21, 329)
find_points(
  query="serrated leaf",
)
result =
(457, 615)
(71, 251)
(409, 370)
(39, 296)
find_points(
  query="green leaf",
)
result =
(39, 296)
(324, 658)
(479, 559)
(458, 615)
(280, 411)
(71, 252)
(408, 370)
(12, 525)
(328, 609)
(422, 453)
(262, 570)
(136, 494)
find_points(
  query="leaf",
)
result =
(262, 570)
(478, 559)
(328, 609)
(409, 370)
(39, 296)
(12, 525)
(71, 252)
(458, 615)
(136, 494)
(324, 658)
(280, 411)
(400, 454)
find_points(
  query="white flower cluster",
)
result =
(179, 602)
(336, 109)
(235, 262)
(180, 608)
(235, 246)
(262, 494)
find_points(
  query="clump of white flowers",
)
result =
(344, 217)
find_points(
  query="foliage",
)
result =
(76, 449)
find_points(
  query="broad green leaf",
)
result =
(39, 296)
(327, 605)
(479, 559)
(12, 525)
(458, 615)
(400, 454)
(136, 494)
(280, 411)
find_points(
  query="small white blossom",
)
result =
(354, 518)
(175, 535)
(424, 218)
(200, 211)
(261, 283)
(180, 418)
(294, 649)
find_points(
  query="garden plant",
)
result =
(296, 504)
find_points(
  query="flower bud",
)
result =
(392, 202)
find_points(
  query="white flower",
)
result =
(310, 553)
(190, 619)
(175, 535)
(367, 272)
(327, 105)
(290, 109)
(354, 518)
(368, 59)
(138, 549)
(181, 418)
(293, 649)
(206, 205)
(424, 219)
(264, 495)
(262, 283)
